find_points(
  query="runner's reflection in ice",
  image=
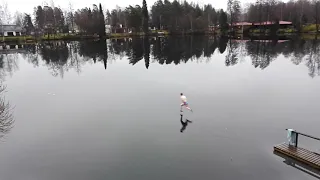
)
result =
(184, 124)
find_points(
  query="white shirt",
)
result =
(183, 98)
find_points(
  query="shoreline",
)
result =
(74, 37)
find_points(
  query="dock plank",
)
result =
(296, 152)
(307, 155)
(300, 154)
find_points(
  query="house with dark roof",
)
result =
(282, 24)
(10, 30)
(241, 27)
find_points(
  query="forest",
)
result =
(172, 16)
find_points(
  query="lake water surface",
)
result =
(91, 110)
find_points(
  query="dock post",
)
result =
(292, 137)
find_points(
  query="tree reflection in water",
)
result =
(61, 56)
(6, 116)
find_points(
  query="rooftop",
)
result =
(260, 23)
(272, 22)
(10, 28)
(242, 24)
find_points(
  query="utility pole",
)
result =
(2, 20)
(160, 22)
(190, 18)
(208, 19)
(2, 33)
(281, 11)
(301, 14)
(290, 17)
(71, 16)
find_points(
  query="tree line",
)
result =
(54, 20)
(184, 16)
(174, 16)
(299, 12)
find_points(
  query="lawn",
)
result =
(66, 36)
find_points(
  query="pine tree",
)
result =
(223, 21)
(145, 14)
(102, 29)
(27, 24)
(39, 17)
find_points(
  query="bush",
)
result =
(287, 30)
(309, 28)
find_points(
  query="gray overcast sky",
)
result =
(28, 5)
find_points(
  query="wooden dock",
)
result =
(303, 155)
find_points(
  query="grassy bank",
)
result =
(151, 33)
(74, 36)
(309, 36)
(310, 28)
(305, 29)
(47, 37)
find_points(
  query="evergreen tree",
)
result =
(39, 17)
(145, 14)
(102, 29)
(134, 17)
(223, 21)
(27, 24)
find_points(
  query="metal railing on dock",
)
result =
(295, 135)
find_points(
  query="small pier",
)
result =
(292, 150)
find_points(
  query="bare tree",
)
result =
(230, 10)
(236, 10)
(71, 16)
(54, 17)
(5, 13)
(18, 19)
(5, 16)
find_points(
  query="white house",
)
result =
(10, 30)
(108, 28)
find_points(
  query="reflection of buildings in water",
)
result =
(11, 48)
(8, 58)
(9, 61)
(266, 41)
